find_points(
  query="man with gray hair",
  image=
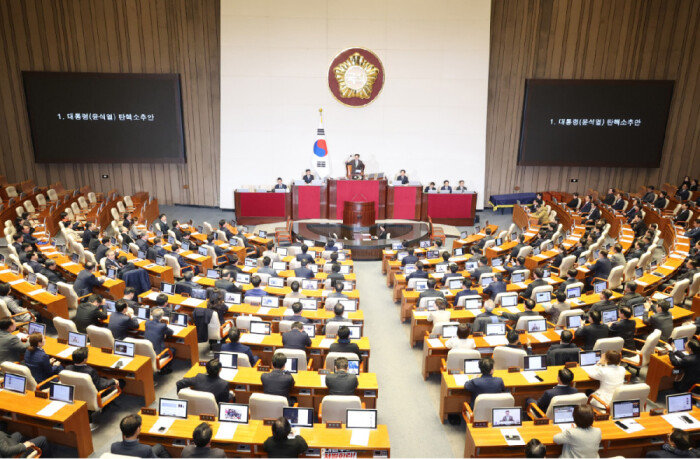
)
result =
(157, 331)
(487, 317)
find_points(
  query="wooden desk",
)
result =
(52, 305)
(456, 209)
(342, 190)
(309, 387)
(69, 426)
(659, 376)
(275, 315)
(156, 273)
(138, 374)
(111, 288)
(489, 442)
(404, 202)
(249, 438)
(310, 201)
(253, 208)
(474, 238)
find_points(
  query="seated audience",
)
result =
(343, 343)
(12, 349)
(583, 440)
(39, 363)
(201, 436)
(610, 374)
(280, 445)
(340, 382)
(234, 335)
(278, 381)
(486, 383)
(130, 426)
(122, 320)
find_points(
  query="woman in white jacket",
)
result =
(610, 374)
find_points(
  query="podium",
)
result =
(359, 214)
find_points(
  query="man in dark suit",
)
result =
(688, 364)
(587, 205)
(619, 202)
(564, 380)
(280, 185)
(430, 187)
(661, 201)
(418, 274)
(278, 381)
(592, 216)
(226, 282)
(89, 233)
(575, 201)
(521, 243)
(564, 351)
(402, 177)
(683, 193)
(110, 260)
(409, 259)
(486, 383)
(486, 317)
(86, 280)
(343, 343)
(335, 274)
(460, 186)
(201, 437)
(661, 319)
(446, 188)
(466, 291)
(157, 331)
(605, 303)
(308, 176)
(683, 215)
(593, 331)
(303, 271)
(50, 271)
(224, 228)
(297, 308)
(209, 382)
(124, 266)
(482, 268)
(142, 242)
(694, 232)
(340, 382)
(519, 263)
(80, 366)
(630, 297)
(453, 273)
(296, 338)
(122, 320)
(496, 287)
(357, 166)
(431, 292)
(602, 267)
(102, 248)
(489, 237)
(187, 284)
(624, 327)
(609, 197)
(649, 196)
(15, 445)
(156, 250)
(90, 312)
(130, 426)
(537, 282)
(234, 335)
(304, 255)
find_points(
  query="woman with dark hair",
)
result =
(583, 440)
(280, 445)
(39, 363)
(216, 302)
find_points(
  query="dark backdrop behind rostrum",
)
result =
(105, 117)
(594, 122)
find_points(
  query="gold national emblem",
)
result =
(356, 77)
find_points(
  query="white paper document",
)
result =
(36, 292)
(461, 380)
(68, 264)
(420, 315)
(631, 424)
(521, 284)
(228, 374)
(323, 380)
(162, 425)
(124, 362)
(67, 352)
(541, 337)
(51, 408)
(326, 343)
(16, 281)
(226, 431)
(566, 426)
(252, 338)
(680, 420)
(530, 376)
(192, 302)
(512, 437)
(587, 368)
(360, 437)
(512, 309)
(153, 295)
(176, 328)
(496, 340)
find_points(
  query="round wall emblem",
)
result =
(356, 77)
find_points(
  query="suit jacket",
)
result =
(604, 305)
(485, 318)
(549, 394)
(694, 235)
(154, 252)
(296, 339)
(662, 321)
(573, 203)
(280, 186)
(403, 180)
(428, 188)
(531, 286)
(308, 178)
(11, 348)
(88, 314)
(345, 347)
(480, 270)
(578, 442)
(142, 245)
(10, 446)
(341, 383)
(305, 256)
(39, 364)
(465, 292)
(85, 281)
(289, 447)
(409, 260)
(194, 451)
(446, 188)
(601, 268)
(594, 214)
(99, 382)
(187, 286)
(241, 348)
(585, 207)
(298, 318)
(277, 382)
(494, 288)
(649, 197)
(93, 244)
(120, 324)
(417, 275)
(430, 293)
(178, 233)
(52, 276)
(625, 329)
(619, 204)
(224, 284)
(100, 252)
(690, 364)
(156, 333)
(304, 273)
(131, 448)
(630, 299)
(357, 165)
(609, 199)
(205, 383)
(660, 202)
(591, 333)
(201, 318)
(483, 385)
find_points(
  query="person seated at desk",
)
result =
(280, 445)
(445, 255)
(446, 188)
(683, 194)
(564, 351)
(157, 331)
(111, 260)
(540, 213)
(297, 317)
(227, 232)
(565, 379)
(486, 317)
(13, 305)
(338, 314)
(156, 250)
(90, 312)
(602, 267)
(519, 263)
(583, 440)
(466, 291)
(234, 335)
(593, 331)
(683, 215)
(338, 293)
(266, 268)
(39, 363)
(295, 291)
(304, 255)
(278, 381)
(605, 303)
(688, 364)
(296, 338)
(516, 250)
(441, 314)
(80, 365)
(357, 166)
(496, 287)
(280, 185)
(535, 448)
(343, 343)
(650, 195)
(694, 232)
(86, 281)
(430, 187)
(587, 205)
(308, 177)
(630, 297)
(340, 382)
(187, 284)
(218, 251)
(574, 203)
(201, 436)
(402, 178)
(558, 307)
(661, 319)
(529, 311)
(462, 340)
(610, 374)
(513, 338)
(130, 426)
(482, 268)
(618, 203)
(14, 445)
(226, 282)
(420, 273)
(102, 248)
(210, 382)
(122, 320)
(678, 444)
(90, 232)
(256, 290)
(335, 275)
(303, 271)
(431, 292)
(461, 187)
(489, 237)
(486, 383)
(453, 273)
(409, 259)
(34, 262)
(624, 327)
(142, 242)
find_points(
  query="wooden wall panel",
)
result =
(616, 39)
(132, 36)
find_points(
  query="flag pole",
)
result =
(320, 112)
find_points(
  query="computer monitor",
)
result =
(421, 285)
(496, 262)
(143, 313)
(536, 325)
(250, 263)
(344, 269)
(262, 233)
(167, 288)
(123, 348)
(679, 402)
(471, 366)
(410, 269)
(463, 235)
(424, 244)
(469, 265)
(228, 359)
(279, 266)
(638, 310)
(233, 298)
(198, 293)
(77, 339)
(679, 343)
(281, 251)
(310, 329)
(260, 328)
(270, 301)
(31, 278)
(432, 254)
(499, 241)
(638, 272)
(455, 283)
(599, 286)
(505, 417)
(15, 383)
(573, 322)
(202, 250)
(396, 246)
(546, 272)
(349, 305)
(160, 261)
(213, 274)
(543, 297)
(292, 365)
(61, 392)
(536, 251)
(355, 331)
(354, 367)
(486, 280)
(309, 284)
(588, 358)
(582, 260)
(299, 417)
(459, 252)
(609, 315)
(52, 288)
(171, 240)
(243, 278)
(401, 255)
(277, 282)
(361, 419)
(573, 292)
(535, 362)
(172, 407)
(509, 300)
(564, 414)
(110, 306)
(35, 327)
(517, 277)
(309, 304)
(348, 285)
(111, 273)
(178, 319)
(495, 329)
(449, 331)
(472, 302)
(75, 258)
(626, 409)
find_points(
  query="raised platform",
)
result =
(360, 241)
